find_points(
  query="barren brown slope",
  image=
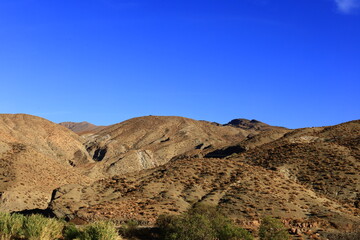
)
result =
(309, 177)
(36, 156)
(245, 192)
(250, 142)
(325, 160)
(146, 142)
(81, 127)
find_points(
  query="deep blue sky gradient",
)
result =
(288, 63)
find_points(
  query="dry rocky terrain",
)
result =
(147, 142)
(151, 165)
(37, 156)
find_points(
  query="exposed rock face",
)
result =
(147, 142)
(81, 127)
(36, 156)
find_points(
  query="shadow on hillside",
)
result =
(45, 212)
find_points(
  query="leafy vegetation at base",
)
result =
(11, 226)
(100, 230)
(202, 222)
(36, 227)
(272, 229)
(130, 228)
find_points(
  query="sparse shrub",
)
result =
(102, 230)
(39, 227)
(130, 228)
(230, 232)
(185, 227)
(71, 232)
(272, 229)
(11, 226)
(201, 222)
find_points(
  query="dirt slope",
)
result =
(151, 165)
(326, 160)
(309, 177)
(246, 193)
(36, 156)
(146, 142)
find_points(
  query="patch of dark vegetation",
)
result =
(272, 228)
(19, 227)
(80, 157)
(200, 222)
(131, 229)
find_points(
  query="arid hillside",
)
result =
(36, 156)
(147, 142)
(146, 166)
(325, 160)
(246, 193)
(308, 177)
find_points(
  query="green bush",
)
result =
(272, 229)
(39, 227)
(11, 226)
(202, 222)
(71, 232)
(100, 231)
(231, 232)
(130, 228)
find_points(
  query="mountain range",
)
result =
(146, 166)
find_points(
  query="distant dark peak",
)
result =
(247, 124)
(245, 121)
(256, 121)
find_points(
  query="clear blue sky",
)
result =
(287, 63)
